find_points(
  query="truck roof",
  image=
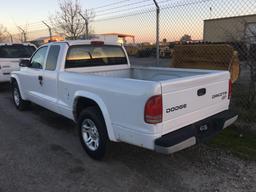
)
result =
(86, 42)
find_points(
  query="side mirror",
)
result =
(24, 63)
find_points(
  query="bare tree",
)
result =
(72, 20)
(2, 33)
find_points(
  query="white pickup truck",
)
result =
(92, 83)
(10, 55)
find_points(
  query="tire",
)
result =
(93, 133)
(17, 99)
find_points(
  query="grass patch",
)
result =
(239, 103)
(239, 143)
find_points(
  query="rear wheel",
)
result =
(93, 132)
(17, 99)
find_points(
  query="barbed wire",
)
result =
(125, 5)
(123, 10)
(146, 10)
(107, 5)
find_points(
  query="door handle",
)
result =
(40, 79)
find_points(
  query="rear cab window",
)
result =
(16, 51)
(52, 58)
(95, 55)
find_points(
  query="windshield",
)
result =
(16, 51)
(92, 56)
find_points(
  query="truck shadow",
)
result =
(53, 120)
(163, 170)
(5, 87)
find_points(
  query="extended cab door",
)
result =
(32, 78)
(50, 78)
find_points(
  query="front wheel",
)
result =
(93, 132)
(17, 99)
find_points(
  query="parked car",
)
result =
(10, 55)
(92, 83)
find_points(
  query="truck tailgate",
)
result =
(188, 100)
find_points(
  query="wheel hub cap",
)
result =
(16, 96)
(90, 134)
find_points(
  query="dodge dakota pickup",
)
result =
(93, 83)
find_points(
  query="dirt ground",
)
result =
(40, 151)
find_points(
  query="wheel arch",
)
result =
(83, 99)
(14, 78)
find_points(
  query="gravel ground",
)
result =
(40, 151)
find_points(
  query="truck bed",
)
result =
(188, 95)
(183, 102)
(151, 74)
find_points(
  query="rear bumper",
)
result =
(195, 133)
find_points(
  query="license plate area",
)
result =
(205, 130)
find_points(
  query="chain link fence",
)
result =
(200, 22)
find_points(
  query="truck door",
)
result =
(50, 77)
(33, 84)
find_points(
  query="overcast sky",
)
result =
(181, 17)
(20, 12)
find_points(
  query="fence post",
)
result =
(86, 36)
(157, 32)
(10, 36)
(24, 34)
(50, 30)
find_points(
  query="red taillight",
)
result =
(154, 110)
(230, 89)
(97, 43)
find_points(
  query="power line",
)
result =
(121, 6)
(108, 5)
(151, 10)
(122, 10)
(115, 6)
(127, 15)
(137, 7)
(187, 4)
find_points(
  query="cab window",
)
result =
(37, 61)
(93, 56)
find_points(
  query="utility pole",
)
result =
(24, 34)
(50, 30)
(10, 35)
(86, 36)
(157, 32)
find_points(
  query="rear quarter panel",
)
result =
(124, 100)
